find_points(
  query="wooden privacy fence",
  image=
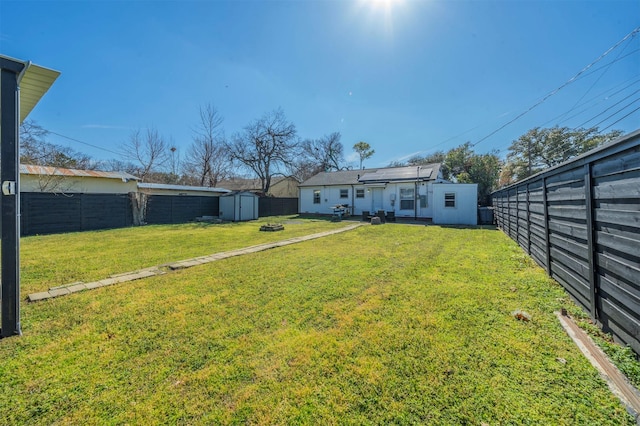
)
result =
(581, 222)
(272, 206)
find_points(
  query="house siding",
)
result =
(375, 198)
(465, 211)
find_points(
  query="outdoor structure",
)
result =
(455, 203)
(239, 206)
(180, 190)
(580, 221)
(22, 84)
(68, 181)
(286, 187)
(165, 203)
(404, 192)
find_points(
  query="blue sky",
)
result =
(405, 76)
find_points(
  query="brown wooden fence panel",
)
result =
(581, 222)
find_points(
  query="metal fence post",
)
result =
(10, 202)
(547, 241)
(588, 193)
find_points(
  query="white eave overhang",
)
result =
(375, 184)
(34, 81)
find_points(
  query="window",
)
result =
(423, 202)
(406, 199)
(359, 193)
(344, 193)
(449, 199)
(316, 196)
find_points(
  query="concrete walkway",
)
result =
(163, 269)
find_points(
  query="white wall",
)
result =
(465, 211)
(75, 184)
(388, 200)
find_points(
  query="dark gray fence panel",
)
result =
(46, 213)
(581, 221)
(616, 194)
(162, 209)
(271, 206)
(103, 211)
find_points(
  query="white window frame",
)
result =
(450, 197)
(411, 198)
(344, 193)
(360, 193)
(316, 196)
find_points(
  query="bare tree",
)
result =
(208, 158)
(324, 154)
(35, 150)
(147, 150)
(267, 146)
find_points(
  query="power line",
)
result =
(85, 143)
(606, 68)
(621, 118)
(591, 99)
(553, 92)
(617, 103)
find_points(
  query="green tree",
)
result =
(364, 151)
(463, 165)
(541, 148)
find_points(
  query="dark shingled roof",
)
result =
(388, 174)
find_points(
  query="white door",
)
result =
(376, 199)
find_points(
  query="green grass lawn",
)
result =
(54, 260)
(392, 324)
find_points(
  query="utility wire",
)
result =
(620, 119)
(588, 101)
(553, 92)
(606, 68)
(617, 103)
(620, 110)
(85, 143)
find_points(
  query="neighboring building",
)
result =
(73, 181)
(417, 192)
(165, 189)
(241, 184)
(283, 187)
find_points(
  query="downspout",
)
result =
(415, 195)
(353, 200)
(415, 201)
(21, 74)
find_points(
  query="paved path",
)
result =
(162, 269)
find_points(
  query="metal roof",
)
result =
(34, 82)
(180, 187)
(28, 169)
(370, 176)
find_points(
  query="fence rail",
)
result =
(581, 222)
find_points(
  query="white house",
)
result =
(416, 192)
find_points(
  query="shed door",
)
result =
(246, 208)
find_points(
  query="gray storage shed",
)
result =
(239, 206)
